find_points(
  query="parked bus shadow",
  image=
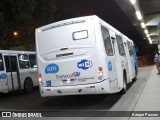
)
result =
(130, 84)
(93, 102)
(16, 93)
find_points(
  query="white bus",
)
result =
(18, 71)
(83, 55)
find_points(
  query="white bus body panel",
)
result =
(71, 67)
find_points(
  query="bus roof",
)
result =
(80, 20)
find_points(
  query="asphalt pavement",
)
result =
(142, 95)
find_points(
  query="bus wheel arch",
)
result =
(28, 85)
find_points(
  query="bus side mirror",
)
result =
(35, 66)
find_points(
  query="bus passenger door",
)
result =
(12, 72)
(131, 58)
(110, 58)
(113, 72)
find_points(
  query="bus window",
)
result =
(80, 35)
(7, 62)
(1, 63)
(23, 61)
(32, 59)
(107, 41)
(120, 45)
(130, 48)
(11, 63)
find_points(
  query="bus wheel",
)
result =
(123, 91)
(28, 85)
(135, 78)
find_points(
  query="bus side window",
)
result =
(32, 59)
(13, 63)
(107, 41)
(130, 48)
(120, 45)
(1, 63)
(23, 61)
(7, 63)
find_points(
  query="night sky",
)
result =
(109, 11)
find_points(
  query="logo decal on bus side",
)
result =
(72, 75)
(52, 68)
(48, 83)
(109, 66)
(84, 64)
(3, 76)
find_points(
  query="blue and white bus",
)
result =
(83, 55)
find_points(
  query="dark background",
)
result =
(109, 11)
(24, 16)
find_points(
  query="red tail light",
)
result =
(100, 73)
(100, 69)
(40, 79)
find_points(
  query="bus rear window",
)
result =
(80, 35)
(1, 63)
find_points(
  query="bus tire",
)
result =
(135, 78)
(28, 85)
(123, 91)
